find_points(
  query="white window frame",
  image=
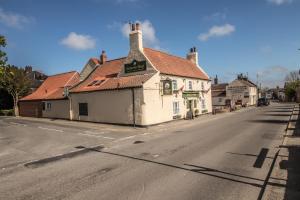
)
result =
(176, 108)
(174, 85)
(203, 105)
(48, 105)
(202, 85)
(190, 85)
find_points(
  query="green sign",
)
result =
(188, 94)
(135, 66)
(167, 87)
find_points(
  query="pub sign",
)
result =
(135, 66)
(167, 87)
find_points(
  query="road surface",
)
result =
(227, 156)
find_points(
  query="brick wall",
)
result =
(30, 108)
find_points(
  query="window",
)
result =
(175, 107)
(190, 85)
(195, 103)
(83, 109)
(202, 85)
(174, 85)
(48, 106)
(92, 83)
(203, 103)
(220, 100)
(44, 106)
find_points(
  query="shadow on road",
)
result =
(197, 169)
(292, 165)
(276, 115)
(271, 121)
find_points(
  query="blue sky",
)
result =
(232, 36)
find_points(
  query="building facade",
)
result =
(242, 91)
(146, 87)
(50, 99)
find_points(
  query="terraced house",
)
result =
(146, 87)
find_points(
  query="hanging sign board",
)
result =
(188, 94)
(135, 66)
(167, 87)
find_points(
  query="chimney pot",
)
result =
(133, 27)
(137, 25)
(193, 55)
(103, 57)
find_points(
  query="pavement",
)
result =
(225, 156)
(284, 180)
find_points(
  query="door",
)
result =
(189, 109)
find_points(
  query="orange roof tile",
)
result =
(113, 83)
(53, 87)
(174, 65)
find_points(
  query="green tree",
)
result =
(3, 57)
(292, 84)
(15, 81)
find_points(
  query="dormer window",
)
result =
(99, 82)
(96, 82)
(93, 82)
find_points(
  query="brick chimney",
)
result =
(135, 37)
(103, 57)
(216, 80)
(193, 55)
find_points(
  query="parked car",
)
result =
(263, 102)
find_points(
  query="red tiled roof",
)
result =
(53, 87)
(109, 69)
(173, 65)
(221, 86)
(112, 83)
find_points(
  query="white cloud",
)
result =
(149, 37)
(217, 31)
(79, 42)
(14, 20)
(280, 2)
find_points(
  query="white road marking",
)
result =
(146, 133)
(50, 129)
(18, 124)
(96, 133)
(125, 138)
(100, 136)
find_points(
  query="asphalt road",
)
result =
(227, 156)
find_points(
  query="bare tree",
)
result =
(293, 76)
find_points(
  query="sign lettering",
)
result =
(135, 66)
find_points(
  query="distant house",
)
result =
(50, 99)
(219, 97)
(242, 91)
(36, 77)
